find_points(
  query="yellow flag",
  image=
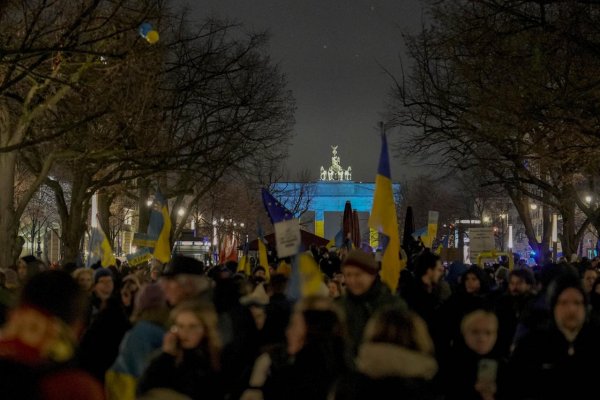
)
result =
(263, 259)
(107, 257)
(162, 249)
(383, 220)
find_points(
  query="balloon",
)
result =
(152, 37)
(144, 29)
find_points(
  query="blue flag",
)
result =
(277, 212)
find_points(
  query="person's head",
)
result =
(57, 294)
(314, 320)
(85, 278)
(256, 303)
(150, 305)
(195, 324)
(103, 283)
(27, 267)
(156, 269)
(278, 284)
(568, 303)
(428, 268)
(334, 287)
(399, 327)
(520, 281)
(360, 271)
(259, 272)
(183, 279)
(589, 277)
(480, 331)
(129, 288)
(475, 281)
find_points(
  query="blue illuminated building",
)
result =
(327, 198)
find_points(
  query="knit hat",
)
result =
(101, 272)
(150, 296)
(362, 260)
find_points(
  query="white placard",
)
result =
(287, 236)
(480, 240)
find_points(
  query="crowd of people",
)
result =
(187, 331)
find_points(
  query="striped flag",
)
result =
(383, 220)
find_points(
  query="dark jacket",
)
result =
(388, 371)
(308, 375)
(544, 365)
(359, 309)
(193, 376)
(459, 373)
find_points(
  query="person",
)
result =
(39, 342)
(150, 317)
(365, 294)
(396, 357)
(27, 267)
(108, 324)
(85, 278)
(183, 279)
(462, 372)
(314, 357)
(511, 305)
(190, 360)
(423, 297)
(589, 277)
(568, 351)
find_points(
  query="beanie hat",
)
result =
(101, 272)
(362, 260)
(150, 296)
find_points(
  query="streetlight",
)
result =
(533, 206)
(181, 212)
(486, 219)
(149, 202)
(588, 199)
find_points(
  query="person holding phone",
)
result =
(472, 370)
(190, 360)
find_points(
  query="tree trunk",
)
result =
(10, 245)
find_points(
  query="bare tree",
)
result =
(493, 90)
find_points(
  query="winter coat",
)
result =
(308, 375)
(545, 365)
(358, 309)
(459, 373)
(193, 376)
(388, 371)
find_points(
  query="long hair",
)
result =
(210, 343)
(399, 327)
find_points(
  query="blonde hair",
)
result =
(207, 315)
(82, 271)
(471, 317)
(402, 328)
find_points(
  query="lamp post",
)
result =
(554, 236)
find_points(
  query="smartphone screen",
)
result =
(487, 370)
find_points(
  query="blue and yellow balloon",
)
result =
(147, 32)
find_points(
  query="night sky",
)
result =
(332, 53)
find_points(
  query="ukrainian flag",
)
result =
(162, 248)
(263, 260)
(383, 220)
(99, 249)
(244, 264)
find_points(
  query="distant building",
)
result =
(327, 199)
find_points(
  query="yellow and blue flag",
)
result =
(263, 260)
(160, 226)
(337, 241)
(383, 220)
(244, 263)
(100, 249)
